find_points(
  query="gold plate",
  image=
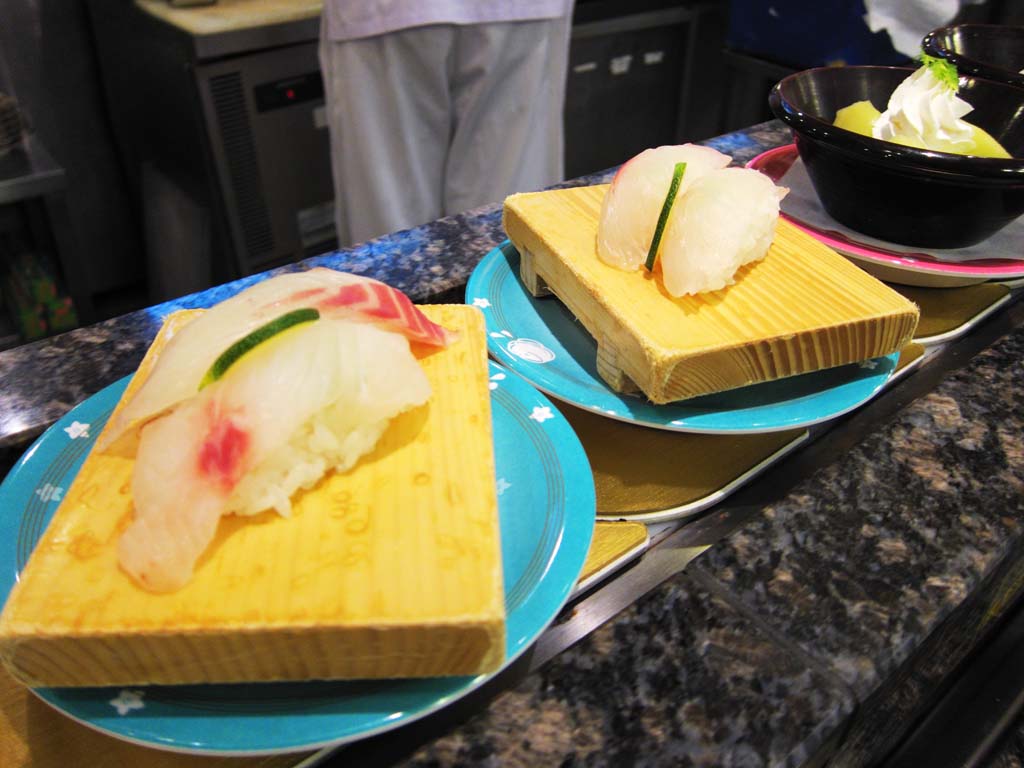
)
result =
(652, 475)
(614, 544)
(909, 355)
(947, 313)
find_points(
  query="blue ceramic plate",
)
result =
(546, 502)
(541, 340)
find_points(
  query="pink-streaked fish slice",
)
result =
(191, 461)
(378, 303)
(171, 529)
(192, 350)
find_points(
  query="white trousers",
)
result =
(437, 120)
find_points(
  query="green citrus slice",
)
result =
(666, 207)
(250, 341)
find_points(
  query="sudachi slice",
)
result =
(246, 344)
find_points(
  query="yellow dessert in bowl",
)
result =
(893, 191)
(860, 116)
(926, 112)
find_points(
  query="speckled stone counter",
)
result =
(817, 632)
(40, 382)
(813, 634)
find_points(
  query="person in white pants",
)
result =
(437, 108)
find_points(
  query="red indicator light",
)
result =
(289, 94)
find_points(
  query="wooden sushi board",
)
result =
(392, 569)
(802, 308)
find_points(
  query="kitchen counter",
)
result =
(811, 616)
(231, 15)
(226, 28)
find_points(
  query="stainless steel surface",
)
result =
(272, 165)
(633, 22)
(185, 104)
(209, 47)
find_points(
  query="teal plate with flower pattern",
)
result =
(541, 341)
(546, 503)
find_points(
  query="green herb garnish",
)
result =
(250, 341)
(666, 207)
(944, 71)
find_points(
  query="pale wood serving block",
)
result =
(801, 309)
(35, 735)
(392, 569)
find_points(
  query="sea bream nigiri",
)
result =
(193, 349)
(726, 219)
(629, 212)
(719, 219)
(311, 398)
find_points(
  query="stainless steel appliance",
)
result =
(268, 140)
(223, 141)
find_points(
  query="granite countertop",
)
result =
(816, 631)
(39, 382)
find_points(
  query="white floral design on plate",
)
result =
(500, 335)
(77, 430)
(493, 383)
(503, 485)
(870, 364)
(482, 303)
(531, 351)
(541, 413)
(50, 492)
(127, 700)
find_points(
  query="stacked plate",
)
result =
(656, 462)
(546, 505)
(999, 258)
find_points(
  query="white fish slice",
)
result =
(726, 219)
(629, 213)
(191, 352)
(192, 460)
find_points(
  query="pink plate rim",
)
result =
(913, 262)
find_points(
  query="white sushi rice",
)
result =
(365, 376)
(328, 441)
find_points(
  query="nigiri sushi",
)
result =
(196, 347)
(629, 212)
(719, 219)
(311, 398)
(726, 219)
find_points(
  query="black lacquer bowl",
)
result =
(896, 193)
(983, 50)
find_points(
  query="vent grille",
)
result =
(243, 168)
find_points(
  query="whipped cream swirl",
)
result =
(924, 111)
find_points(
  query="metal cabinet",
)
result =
(223, 142)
